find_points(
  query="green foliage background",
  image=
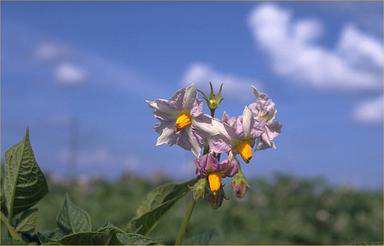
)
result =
(283, 209)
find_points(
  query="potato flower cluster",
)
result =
(182, 122)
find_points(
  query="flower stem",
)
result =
(183, 227)
(212, 113)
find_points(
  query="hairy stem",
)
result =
(183, 227)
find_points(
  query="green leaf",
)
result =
(24, 183)
(50, 237)
(87, 238)
(72, 219)
(162, 194)
(156, 204)
(133, 238)
(120, 237)
(28, 221)
(2, 197)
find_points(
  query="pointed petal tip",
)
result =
(255, 91)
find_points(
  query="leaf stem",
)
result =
(183, 227)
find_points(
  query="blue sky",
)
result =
(93, 64)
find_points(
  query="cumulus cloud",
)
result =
(357, 46)
(370, 111)
(69, 74)
(294, 51)
(235, 87)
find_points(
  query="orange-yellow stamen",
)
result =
(214, 180)
(245, 150)
(183, 120)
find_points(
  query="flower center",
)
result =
(214, 180)
(183, 120)
(245, 150)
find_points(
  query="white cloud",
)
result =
(234, 87)
(69, 74)
(49, 50)
(72, 67)
(370, 111)
(357, 46)
(294, 51)
(34, 51)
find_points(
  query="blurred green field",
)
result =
(279, 210)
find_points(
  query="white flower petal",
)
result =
(205, 126)
(247, 121)
(166, 137)
(164, 107)
(195, 146)
(266, 139)
(255, 91)
(218, 126)
(151, 104)
(225, 117)
(189, 97)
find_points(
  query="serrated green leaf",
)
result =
(50, 237)
(28, 221)
(86, 238)
(72, 219)
(156, 204)
(24, 182)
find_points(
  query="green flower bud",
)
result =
(213, 100)
(239, 184)
(198, 189)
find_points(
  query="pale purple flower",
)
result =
(234, 135)
(265, 128)
(263, 108)
(209, 163)
(178, 117)
(268, 132)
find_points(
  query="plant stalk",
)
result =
(183, 227)
(191, 206)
